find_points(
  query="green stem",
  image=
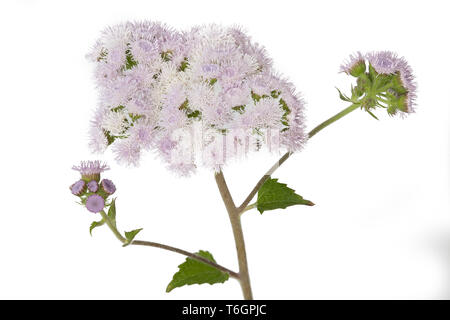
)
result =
(332, 119)
(286, 156)
(112, 227)
(249, 207)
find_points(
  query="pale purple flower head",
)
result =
(127, 152)
(78, 187)
(98, 142)
(387, 62)
(90, 170)
(108, 186)
(92, 186)
(171, 91)
(142, 134)
(95, 203)
(388, 82)
(354, 65)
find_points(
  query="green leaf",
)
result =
(240, 109)
(343, 96)
(96, 224)
(194, 114)
(167, 55)
(130, 236)
(112, 212)
(255, 97)
(274, 195)
(130, 62)
(184, 64)
(195, 272)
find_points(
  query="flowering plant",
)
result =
(206, 97)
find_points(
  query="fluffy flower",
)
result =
(127, 152)
(388, 82)
(387, 62)
(171, 92)
(142, 134)
(355, 65)
(91, 170)
(115, 122)
(265, 113)
(98, 142)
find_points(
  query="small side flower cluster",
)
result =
(93, 193)
(388, 82)
(211, 84)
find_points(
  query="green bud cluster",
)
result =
(375, 90)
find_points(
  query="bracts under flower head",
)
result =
(383, 80)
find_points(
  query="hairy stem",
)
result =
(165, 247)
(235, 220)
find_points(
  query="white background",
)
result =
(381, 225)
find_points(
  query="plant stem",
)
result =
(185, 253)
(286, 156)
(165, 247)
(235, 220)
(112, 227)
(332, 119)
(262, 180)
(249, 207)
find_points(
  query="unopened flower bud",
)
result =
(95, 203)
(78, 187)
(92, 186)
(108, 186)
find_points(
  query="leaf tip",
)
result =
(130, 236)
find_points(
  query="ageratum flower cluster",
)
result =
(93, 193)
(212, 84)
(388, 82)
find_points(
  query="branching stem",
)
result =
(235, 213)
(165, 247)
(286, 156)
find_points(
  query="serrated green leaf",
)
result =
(130, 236)
(96, 224)
(274, 195)
(196, 272)
(112, 212)
(130, 62)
